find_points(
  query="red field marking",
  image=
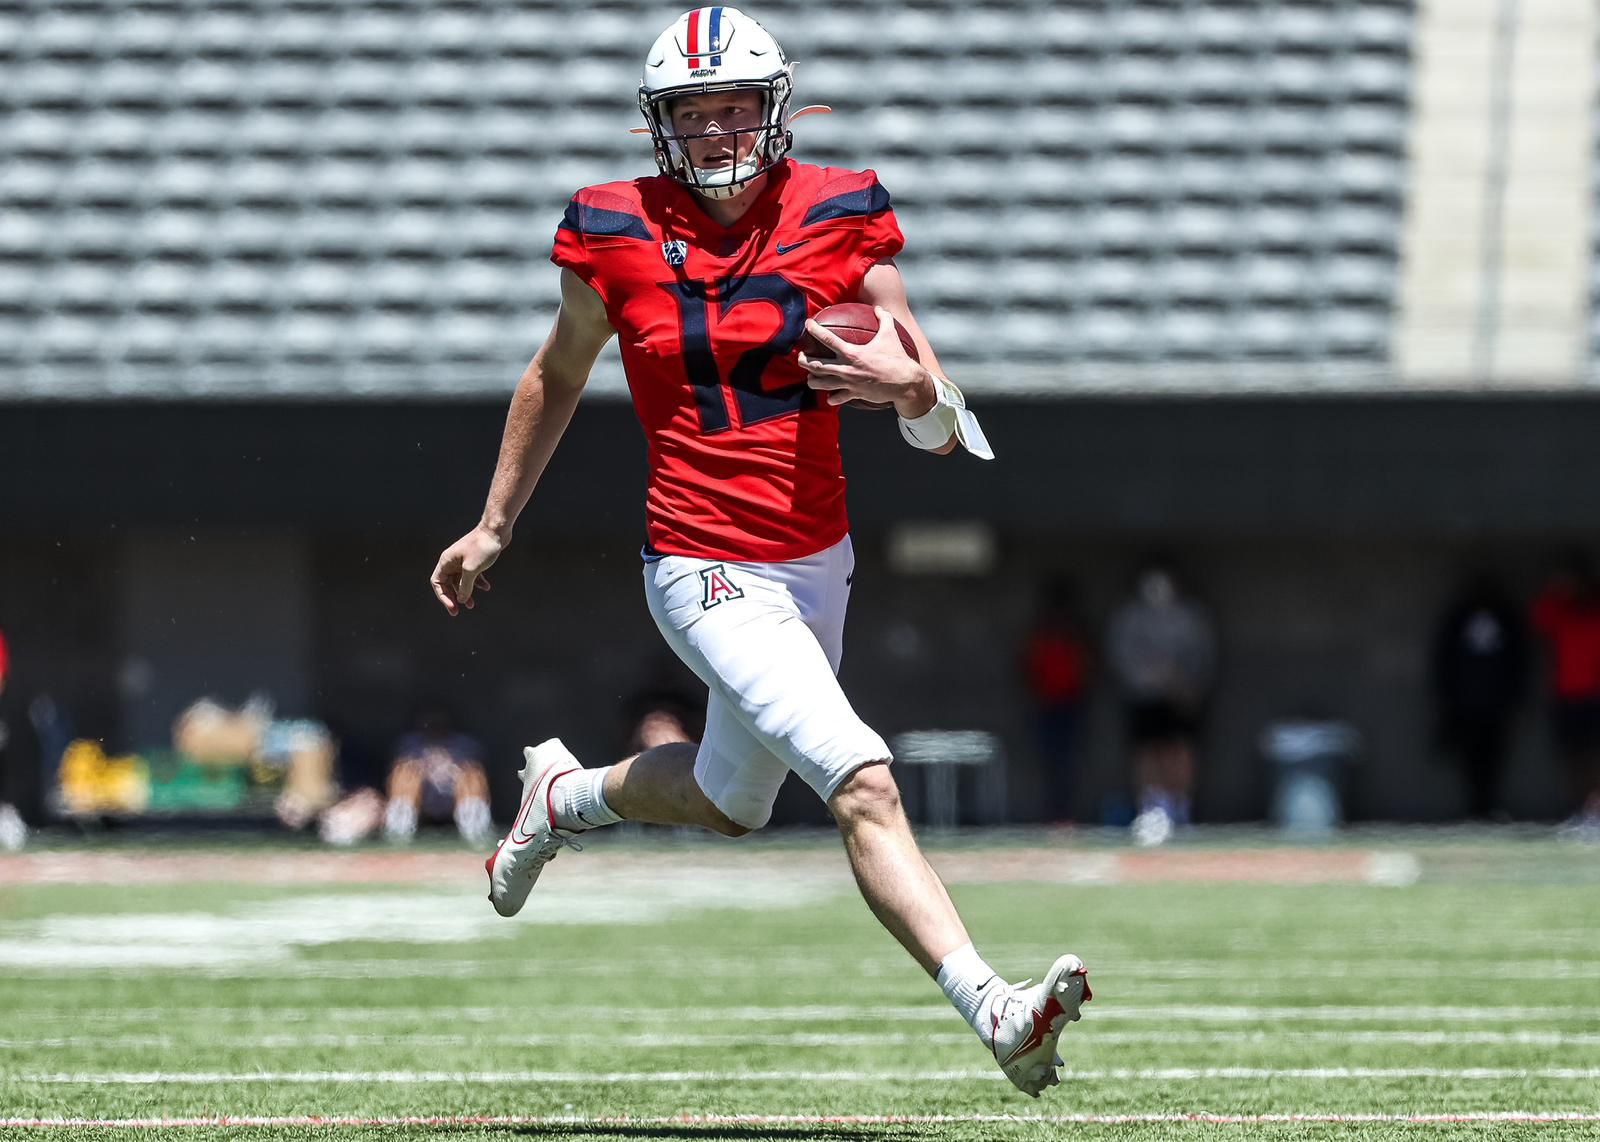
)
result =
(1252, 866)
(1052, 865)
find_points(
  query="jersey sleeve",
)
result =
(600, 224)
(881, 238)
(856, 200)
(571, 252)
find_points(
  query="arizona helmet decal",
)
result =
(709, 19)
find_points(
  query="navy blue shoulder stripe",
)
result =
(604, 223)
(871, 199)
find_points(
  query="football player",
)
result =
(708, 272)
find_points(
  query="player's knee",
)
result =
(473, 782)
(735, 809)
(405, 780)
(867, 796)
(736, 817)
(719, 822)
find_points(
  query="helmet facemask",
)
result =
(772, 137)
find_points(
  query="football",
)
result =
(856, 323)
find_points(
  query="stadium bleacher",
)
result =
(333, 198)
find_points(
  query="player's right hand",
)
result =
(461, 568)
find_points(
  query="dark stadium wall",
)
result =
(210, 614)
(1325, 534)
(1295, 467)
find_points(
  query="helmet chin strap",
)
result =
(723, 193)
(731, 189)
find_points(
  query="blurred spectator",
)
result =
(1162, 652)
(354, 818)
(306, 753)
(661, 717)
(1054, 663)
(14, 762)
(662, 707)
(438, 776)
(1567, 615)
(1480, 665)
(299, 752)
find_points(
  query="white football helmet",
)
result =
(708, 50)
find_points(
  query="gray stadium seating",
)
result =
(1594, 267)
(357, 196)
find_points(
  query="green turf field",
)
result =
(650, 988)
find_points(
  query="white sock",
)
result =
(970, 985)
(472, 820)
(578, 801)
(400, 821)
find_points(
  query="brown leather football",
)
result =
(857, 323)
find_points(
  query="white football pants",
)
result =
(766, 639)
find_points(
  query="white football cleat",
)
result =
(533, 840)
(1027, 1022)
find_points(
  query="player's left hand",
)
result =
(878, 371)
(461, 569)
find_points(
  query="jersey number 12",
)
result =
(755, 403)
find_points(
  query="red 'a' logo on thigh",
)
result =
(716, 587)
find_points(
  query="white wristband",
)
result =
(948, 417)
(932, 428)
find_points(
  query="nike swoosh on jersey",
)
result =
(782, 249)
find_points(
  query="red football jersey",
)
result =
(744, 456)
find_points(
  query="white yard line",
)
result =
(609, 1034)
(1401, 1038)
(929, 1011)
(1238, 973)
(1489, 1116)
(403, 1040)
(1360, 967)
(1121, 1074)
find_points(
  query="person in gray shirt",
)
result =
(1162, 651)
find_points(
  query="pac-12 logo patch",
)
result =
(716, 587)
(676, 252)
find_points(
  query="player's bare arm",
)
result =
(541, 408)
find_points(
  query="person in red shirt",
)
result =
(1567, 615)
(1055, 662)
(13, 831)
(708, 273)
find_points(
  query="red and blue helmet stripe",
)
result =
(705, 36)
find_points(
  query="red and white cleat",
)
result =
(1027, 1022)
(533, 840)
